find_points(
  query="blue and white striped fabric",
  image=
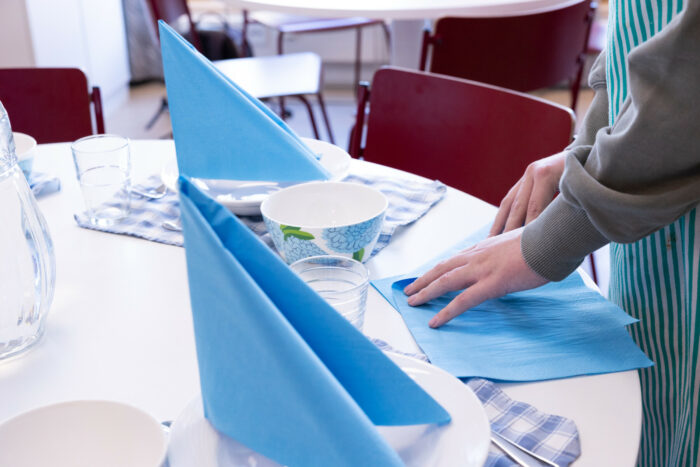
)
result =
(409, 199)
(550, 436)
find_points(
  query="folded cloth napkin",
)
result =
(559, 330)
(43, 184)
(220, 131)
(280, 370)
(550, 436)
(409, 199)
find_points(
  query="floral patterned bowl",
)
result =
(325, 218)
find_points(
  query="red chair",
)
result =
(472, 136)
(522, 53)
(50, 104)
(292, 75)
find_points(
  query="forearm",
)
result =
(642, 173)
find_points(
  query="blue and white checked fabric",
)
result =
(553, 437)
(409, 199)
(43, 184)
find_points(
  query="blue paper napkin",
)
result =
(220, 131)
(280, 370)
(558, 330)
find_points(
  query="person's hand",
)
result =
(534, 191)
(489, 269)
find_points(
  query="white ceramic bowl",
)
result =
(81, 434)
(25, 146)
(325, 218)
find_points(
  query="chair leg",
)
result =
(280, 46)
(358, 58)
(163, 108)
(305, 101)
(594, 273)
(327, 121)
(576, 84)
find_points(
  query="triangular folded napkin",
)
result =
(222, 132)
(280, 370)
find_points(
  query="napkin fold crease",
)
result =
(281, 371)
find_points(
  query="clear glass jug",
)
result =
(27, 263)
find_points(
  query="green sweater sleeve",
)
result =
(638, 175)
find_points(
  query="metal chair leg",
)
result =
(311, 115)
(594, 273)
(327, 121)
(163, 108)
(358, 59)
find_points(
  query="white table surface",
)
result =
(402, 9)
(120, 326)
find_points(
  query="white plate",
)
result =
(244, 197)
(464, 442)
(82, 434)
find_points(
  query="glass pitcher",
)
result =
(27, 263)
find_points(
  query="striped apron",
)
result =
(656, 278)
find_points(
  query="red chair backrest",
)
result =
(472, 136)
(523, 53)
(176, 13)
(50, 104)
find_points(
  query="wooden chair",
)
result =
(291, 75)
(523, 53)
(51, 104)
(472, 136)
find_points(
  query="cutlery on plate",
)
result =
(519, 454)
(156, 193)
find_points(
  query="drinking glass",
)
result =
(103, 167)
(341, 281)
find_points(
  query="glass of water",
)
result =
(341, 281)
(103, 167)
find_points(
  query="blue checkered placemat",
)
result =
(43, 184)
(550, 436)
(409, 199)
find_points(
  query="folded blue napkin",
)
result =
(559, 330)
(222, 132)
(280, 370)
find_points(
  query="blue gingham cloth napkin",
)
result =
(43, 184)
(409, 199)
(550, 436)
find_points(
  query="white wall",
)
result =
(16, 49)
(88, 34)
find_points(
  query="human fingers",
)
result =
(454, 279)
(474, 295)
(518, 211)
(434, 273)
(504, 209)
(542, 194)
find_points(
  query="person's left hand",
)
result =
(490, 269)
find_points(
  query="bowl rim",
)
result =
(29, 152)
(380, 212)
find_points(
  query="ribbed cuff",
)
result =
(556, 243)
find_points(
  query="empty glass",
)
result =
(341, 281)
(103, 167)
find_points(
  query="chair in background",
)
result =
(472, 136)
(51, 104)
(291, 24)
(291, 75)
(523, 53)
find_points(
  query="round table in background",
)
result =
(408, 16)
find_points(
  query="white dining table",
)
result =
(407, 16)
(120, 326)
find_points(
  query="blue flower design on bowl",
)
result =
(292, 243)
(353, 238)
